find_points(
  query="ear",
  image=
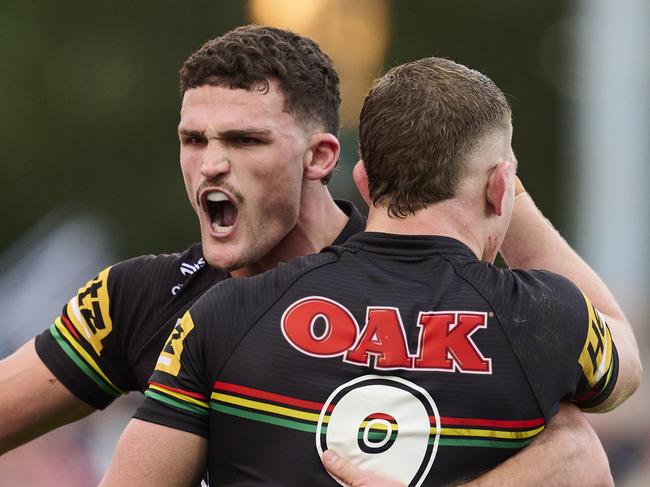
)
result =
(321, 157)
(360, 177)
(497, 187)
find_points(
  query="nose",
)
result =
(215, 162)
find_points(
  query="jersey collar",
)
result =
(394, 244)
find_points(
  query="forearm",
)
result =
(34, 401)
(567, 453)
(533, 243)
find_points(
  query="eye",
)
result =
(192, 140)
(245, 140)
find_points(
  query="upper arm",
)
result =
(34, 401)
(166, 442)
(178, 395)
(151, 454)
(563, 342)
(83, 348)
(628, 374)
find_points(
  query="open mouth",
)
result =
(222, 213)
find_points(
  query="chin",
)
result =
(218, 256)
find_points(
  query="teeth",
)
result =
(219, 229)
(217, 196)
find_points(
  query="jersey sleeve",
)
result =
(81, 348)
(177, 395)
(563, 342)
(598, 362)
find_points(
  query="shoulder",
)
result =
(250, 296)
(166, 273)
(540, 291)
(185, 262)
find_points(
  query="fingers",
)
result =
(354, 476)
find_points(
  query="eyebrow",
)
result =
(227, 134)
(255, 132)
(190, 133)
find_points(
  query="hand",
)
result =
(354, 476)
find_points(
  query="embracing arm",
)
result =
(33, 400)
(568, 453)
(533, 243)
(151, 454)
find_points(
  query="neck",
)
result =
(448, 218)
(319, 223)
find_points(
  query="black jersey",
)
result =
(405, 354)
(109, 336)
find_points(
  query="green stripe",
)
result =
(482, 443)
(376, 435)
(175, 403)
(103, 385)
(309, 428)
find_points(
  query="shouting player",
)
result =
(259, 119)
(404, 350)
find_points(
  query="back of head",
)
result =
(418, 124)
(248, 56)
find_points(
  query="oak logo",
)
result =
(170, 358)
(89, 311)
(445, 340)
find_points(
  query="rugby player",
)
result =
(404, 349)
(258, 127)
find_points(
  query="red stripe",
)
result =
(195, 395)
(317, 406)
(591, 393)
(387, 417)
(498, 423)
(270, 396)
(69, 326)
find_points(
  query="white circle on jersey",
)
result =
(384, 424)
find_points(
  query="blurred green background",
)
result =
(88, 113)
(90, 102)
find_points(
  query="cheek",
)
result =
(188, 180)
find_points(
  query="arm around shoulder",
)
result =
(34, 401)
(568, 453)
(533, 243)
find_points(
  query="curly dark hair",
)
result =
(418, 123)
(248, 56)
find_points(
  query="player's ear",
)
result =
(321, 157)
(360, 177)
(497, 187)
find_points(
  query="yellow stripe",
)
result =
(314, 417)
(488, 433)
(294, 413)
(180, 396)
(610, 350)
(378, 426)
(89, 360)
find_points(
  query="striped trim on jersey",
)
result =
(67, 337)
(187, 401)
(302, 415)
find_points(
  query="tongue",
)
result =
(229, 215)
